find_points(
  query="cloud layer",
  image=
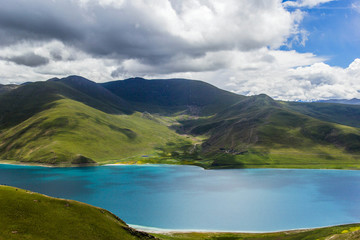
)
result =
(232, 44)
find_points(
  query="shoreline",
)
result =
(171, 231)
(34, 164)
(175, 231)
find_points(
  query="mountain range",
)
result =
(74, 120)
(343, 101)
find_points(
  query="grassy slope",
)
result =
(260, 132)
(69, 128)
(27, 215)
(332, 112)
(20, 104)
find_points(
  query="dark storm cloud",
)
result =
(99, 31)
(174, 65)
(56, 55)
(38, 20)
(29, 59)
(152, 32)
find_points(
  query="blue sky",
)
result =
(333, 32)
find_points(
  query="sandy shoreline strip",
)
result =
(172, 231)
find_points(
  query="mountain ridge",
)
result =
(214, 128)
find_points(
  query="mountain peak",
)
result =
(135, 79)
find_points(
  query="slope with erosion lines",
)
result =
(72, 132)
(345, 114)
(259, 131)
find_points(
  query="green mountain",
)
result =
(26, 100)
(74, 120)
(172, 95)
(342, 101)
(30, 216)
(7, 88)
(345, 114)
(63, 122)
(261, 131)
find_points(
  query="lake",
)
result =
(189, 197)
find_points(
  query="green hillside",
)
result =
(71, 132)
(332, 112)
(26, 215)
(27, 100)
(259, 131)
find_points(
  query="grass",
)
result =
(288, 158)
(351, 231)
(69, 130)
(27, 215)
(333, 112)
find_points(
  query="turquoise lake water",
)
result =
(188, 197)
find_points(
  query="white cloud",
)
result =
(305, 3)
(231, 44)
(356, 6)
(317, 81)
(63, 61)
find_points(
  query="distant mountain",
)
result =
(97, 93)
(74, 120)
(172, 95)
(345, 114)
(7, 88)
(342, 101)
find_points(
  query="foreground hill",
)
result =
(28, 215)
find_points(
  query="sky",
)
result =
(298, 50)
